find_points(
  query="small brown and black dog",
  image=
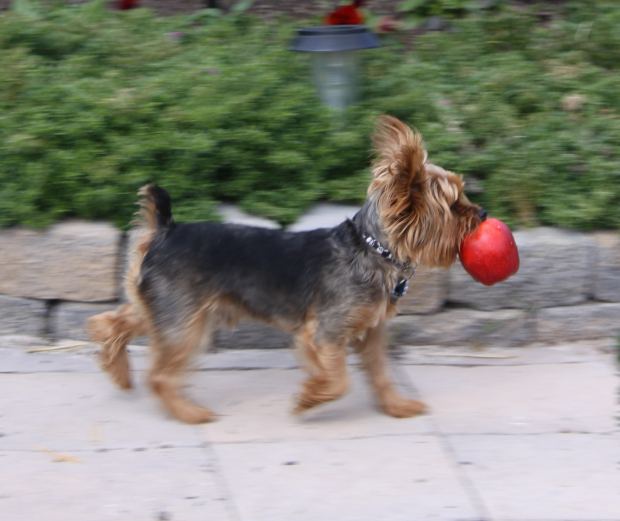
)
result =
(331, 288)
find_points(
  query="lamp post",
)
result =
(335, 62)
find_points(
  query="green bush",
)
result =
(491, 96)
(94, 103)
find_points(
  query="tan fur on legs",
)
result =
(169, 363)
(327, 365)
(372, 350)
(114, 330)
(170, 360)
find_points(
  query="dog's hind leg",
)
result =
(372, 349)
(114, 330)
(171, 358)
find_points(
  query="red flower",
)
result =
(346, 15)
(127, 4)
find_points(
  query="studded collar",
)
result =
(406, 269)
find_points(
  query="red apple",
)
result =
(489, 253)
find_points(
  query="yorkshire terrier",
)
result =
(331, 288)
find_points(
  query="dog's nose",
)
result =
(482, 213)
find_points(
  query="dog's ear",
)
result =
(400, 183)
(399, 175)
(399, 151)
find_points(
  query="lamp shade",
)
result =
(334, 38)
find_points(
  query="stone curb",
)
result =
(568, 287)
(506, 327)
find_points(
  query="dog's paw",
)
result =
(317, 390)
(193, 414)
(401, 407)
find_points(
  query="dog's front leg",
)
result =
(327, 364)
(372, 349)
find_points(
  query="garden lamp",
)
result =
(335, 62)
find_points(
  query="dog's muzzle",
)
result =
(482, 213)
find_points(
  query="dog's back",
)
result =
(263, 272)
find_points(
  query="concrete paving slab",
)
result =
(249, 359)
(383, 478)
(551, 477)
(520, 399)
(63, 411)
(534, 438)
(48, 358)
(149, 485)
(257, 405)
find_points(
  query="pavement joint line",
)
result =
(413, 434)
(104, 449)
(563, 519)
(94, 370)
(274, 441)
(58, 371)
(222, 483)
(468, 485)
(542, 433)
(358, 364)
(494, 365)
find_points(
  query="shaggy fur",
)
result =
(328, 287)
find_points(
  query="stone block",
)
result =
(323, 216)
(69, 261)
(587, 321)
(233, 214)
(251, 335)
(607, 270)
(428, 291)
(128, 245)
(22, 316)
(507, 327)
(68, 319)
(556, 270)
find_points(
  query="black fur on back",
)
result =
(270, 273)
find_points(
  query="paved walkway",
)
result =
(513, 435)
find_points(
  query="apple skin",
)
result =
(489, 253)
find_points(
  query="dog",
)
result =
(332, 288)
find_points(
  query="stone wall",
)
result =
(568, 288)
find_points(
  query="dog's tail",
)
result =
(115, 329)
(154, 215)
(155, 208)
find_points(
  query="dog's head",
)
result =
(423, 209)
